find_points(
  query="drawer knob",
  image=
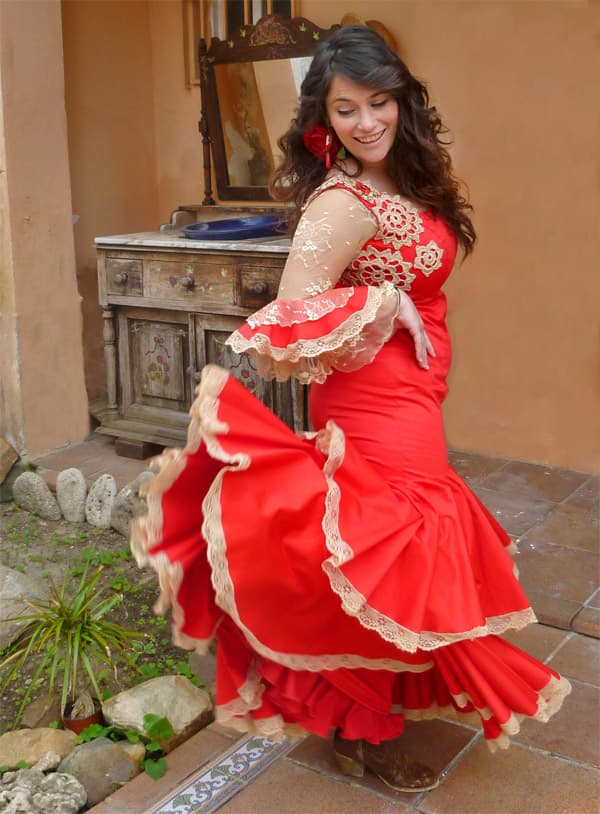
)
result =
(260, 287)
(187, 282)
(120, 277)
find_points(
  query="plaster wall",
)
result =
(109, 81)
(44, 403)
(515, 84)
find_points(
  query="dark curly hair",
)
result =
(419, 164)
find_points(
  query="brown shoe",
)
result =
(387, 761)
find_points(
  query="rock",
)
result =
(42, 711)
(129, 504)
(31, 745)
(8, 457)
(136, 751)
(187, 707)
(71, 490)
(101, 766)
(99, 503)
(30, 791)
(47, 762)
(6, 487)
(14, 587)
(31, 492)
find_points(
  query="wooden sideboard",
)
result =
(169, 304)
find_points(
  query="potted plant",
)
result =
(69, 636)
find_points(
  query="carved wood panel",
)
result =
(154, 359)
(211, 332)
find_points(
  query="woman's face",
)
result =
(364, 119)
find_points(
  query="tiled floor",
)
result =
(550, 769)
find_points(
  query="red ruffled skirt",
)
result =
(351, 579)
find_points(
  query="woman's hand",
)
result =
(409, 318)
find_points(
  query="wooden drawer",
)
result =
(258, 285)
(205, 283)
(124, 277)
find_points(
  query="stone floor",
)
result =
(553, 514)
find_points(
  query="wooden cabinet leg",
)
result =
(110, 358)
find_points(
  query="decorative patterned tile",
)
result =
(213, 785)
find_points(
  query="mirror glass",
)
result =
(257, 101)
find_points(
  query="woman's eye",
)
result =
(344, 112)
(380, 103)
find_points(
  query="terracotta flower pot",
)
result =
(77, 725)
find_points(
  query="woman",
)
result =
(351, 579)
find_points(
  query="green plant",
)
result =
(159, 731)
(68, 635)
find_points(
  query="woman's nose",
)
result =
(366, 119)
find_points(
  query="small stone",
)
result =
(99, 503)
(30, 791)
(14, 588)
(8, 457)
(31, 745)
(129, 504)
(101, 766)
(6, 487)
(71, 491)
(31, 492)
(47, 762)
(42, 711)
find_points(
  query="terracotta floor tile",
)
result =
(537, 640)
(556, 570)
(435, 743)
(587, 496)
(579, 658)
(141, 792)
(535, 481)
(587, 621)
(552, 610)
(288, 788)
(572, 732)
(516, 513)
(76, 455)
(518, 781)
(568, 525)
(473, 467)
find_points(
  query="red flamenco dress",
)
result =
(350, 577)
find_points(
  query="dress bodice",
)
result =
(415, 250)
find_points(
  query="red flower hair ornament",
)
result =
(322, 142)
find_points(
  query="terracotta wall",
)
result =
(514, 80)
(43, 402)
(515, 83)
(109, 81)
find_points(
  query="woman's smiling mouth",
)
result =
(370, 139)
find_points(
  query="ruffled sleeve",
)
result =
(313, 328)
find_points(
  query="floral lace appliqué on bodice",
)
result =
(414, 250)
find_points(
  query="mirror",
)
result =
(250, 85)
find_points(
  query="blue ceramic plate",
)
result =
(236, 228)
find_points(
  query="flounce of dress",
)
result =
(310, 570)
(340, 329)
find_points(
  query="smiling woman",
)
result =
(351, 579)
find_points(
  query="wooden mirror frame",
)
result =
(271, 38)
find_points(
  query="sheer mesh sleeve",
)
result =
(312, 327)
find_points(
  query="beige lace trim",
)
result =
(332, 443)
(293, 312)
(350, 346)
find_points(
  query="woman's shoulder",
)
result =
(338, 180)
